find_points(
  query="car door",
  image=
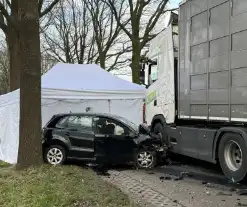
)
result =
(112, 140)
(81, 137)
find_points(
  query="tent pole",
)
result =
(109, 104)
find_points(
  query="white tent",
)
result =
(71, 88)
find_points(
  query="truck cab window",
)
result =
(152, 73)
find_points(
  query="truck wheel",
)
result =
(158, 129)
(233, 157)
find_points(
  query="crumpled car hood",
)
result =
(147, 139)
(141, 138)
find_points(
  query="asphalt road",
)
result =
(197, 170)
(192, 183)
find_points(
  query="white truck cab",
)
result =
(162, 56)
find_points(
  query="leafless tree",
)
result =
(46, 63)
(86, 32)
(26, 26)
(8, 12)
(107, 34)
(19, 20)
(148, 11)
(69, 37)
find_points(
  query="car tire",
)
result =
(232, 155)
(142, 159)
(158, 129)
(55, 155)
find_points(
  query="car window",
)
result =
(80, 122)
(62, 122)
(109, 126)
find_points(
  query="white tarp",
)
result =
(71, 88)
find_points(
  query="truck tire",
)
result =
(233, 157)
(158, 129)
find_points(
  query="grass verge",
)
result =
(3, 164)
(61, 186)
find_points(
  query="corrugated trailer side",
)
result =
(212, 74)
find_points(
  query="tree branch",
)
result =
(3, 26)
(118, 18)
(49, 8)
(153, 20)
(5, 13)
(8, 3)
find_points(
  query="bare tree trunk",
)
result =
(30, 151)
(13, 44)
(102, 59)
(14, 76)
(135, 65)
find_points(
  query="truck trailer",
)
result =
(197, 84)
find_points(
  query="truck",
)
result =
(196, 73)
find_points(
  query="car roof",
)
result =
(88, 114)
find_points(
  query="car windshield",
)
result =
(131, 124)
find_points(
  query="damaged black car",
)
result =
(99, 138)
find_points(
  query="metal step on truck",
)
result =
(197, 84)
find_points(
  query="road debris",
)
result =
(186, 174)
(162, 178)
(242, 192)
(180, 177)
(241, 204)
(233, 189)
(150, 172)
(224, 194)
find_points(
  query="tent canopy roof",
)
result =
(85, 77)
(77, 81)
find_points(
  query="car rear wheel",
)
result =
(146, 159)
(55, 155)
(233, 157)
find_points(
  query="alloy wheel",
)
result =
(54, 156)
(145, 159)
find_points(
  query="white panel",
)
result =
(164, 86)
(9, 133)
(51, 107)
(129, 109)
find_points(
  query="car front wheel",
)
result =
(55, 155)
(146, 159)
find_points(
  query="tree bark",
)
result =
(135, 64)
(13, 47)
(30, 151)
(102, 60)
